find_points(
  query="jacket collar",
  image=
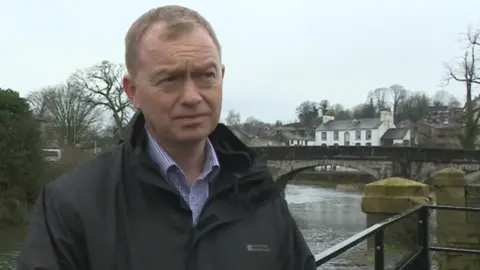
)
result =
(242, 170)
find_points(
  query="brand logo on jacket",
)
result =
(258, 248)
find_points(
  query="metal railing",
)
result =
(419, 257)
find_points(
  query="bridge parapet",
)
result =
(411, 154)
(414, 163)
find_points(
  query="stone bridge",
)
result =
(380, 162)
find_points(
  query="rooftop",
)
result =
(355, 124)
(395, 134)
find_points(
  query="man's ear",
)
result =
(223, 71)
(130, 90)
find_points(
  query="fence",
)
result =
(417, 259)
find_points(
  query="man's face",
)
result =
(178, 85)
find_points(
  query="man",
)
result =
(181, 191)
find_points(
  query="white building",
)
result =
(298, 140)
(295, 134)
(361, 132)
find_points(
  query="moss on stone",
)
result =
(390, 205)
(396, 187)
(449, 177)
(396, 181)
(450, 170)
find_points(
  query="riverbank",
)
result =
(334, 185)
(17, 202)
(13, 212)
(10, 245)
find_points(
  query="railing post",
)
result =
(423, 261)
(379, 250)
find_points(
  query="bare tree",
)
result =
(379, 97)
(233, 118)
(38, 102)
(444, 98)
(72, 117)
(339, 112)
(398, 94)
(467, 73)
(254, 126)
(103, 83)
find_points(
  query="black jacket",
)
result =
(116, 212)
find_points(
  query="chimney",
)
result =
(386, 116)
(327, 118)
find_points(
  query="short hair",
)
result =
(178, 19)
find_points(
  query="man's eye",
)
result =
(171, 79)
(168, 79)
(209, 75)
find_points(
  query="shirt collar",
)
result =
(166, 163)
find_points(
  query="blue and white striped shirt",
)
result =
(196, 194)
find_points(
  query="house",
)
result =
(396, 136)
(243, 136)
(292, 139)
(439, 128)
(442, 126)
(361, 132)
(295, 135)
(251, 140)
(290, 127)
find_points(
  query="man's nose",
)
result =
(191, 95)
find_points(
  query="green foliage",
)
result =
(21, 162)
(13, 211)
(307, 112)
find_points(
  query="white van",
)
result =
(52, 154)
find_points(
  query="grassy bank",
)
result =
(16, 202)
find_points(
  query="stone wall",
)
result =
(457, 229)
(472, 194)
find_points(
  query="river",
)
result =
(325, 216)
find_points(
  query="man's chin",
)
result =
(191, 135)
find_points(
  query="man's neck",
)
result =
(190, 157)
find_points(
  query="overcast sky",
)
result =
(277, 53)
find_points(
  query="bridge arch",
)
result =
(285, 171)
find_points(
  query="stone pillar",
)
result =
(456, 229)
(386, 198)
